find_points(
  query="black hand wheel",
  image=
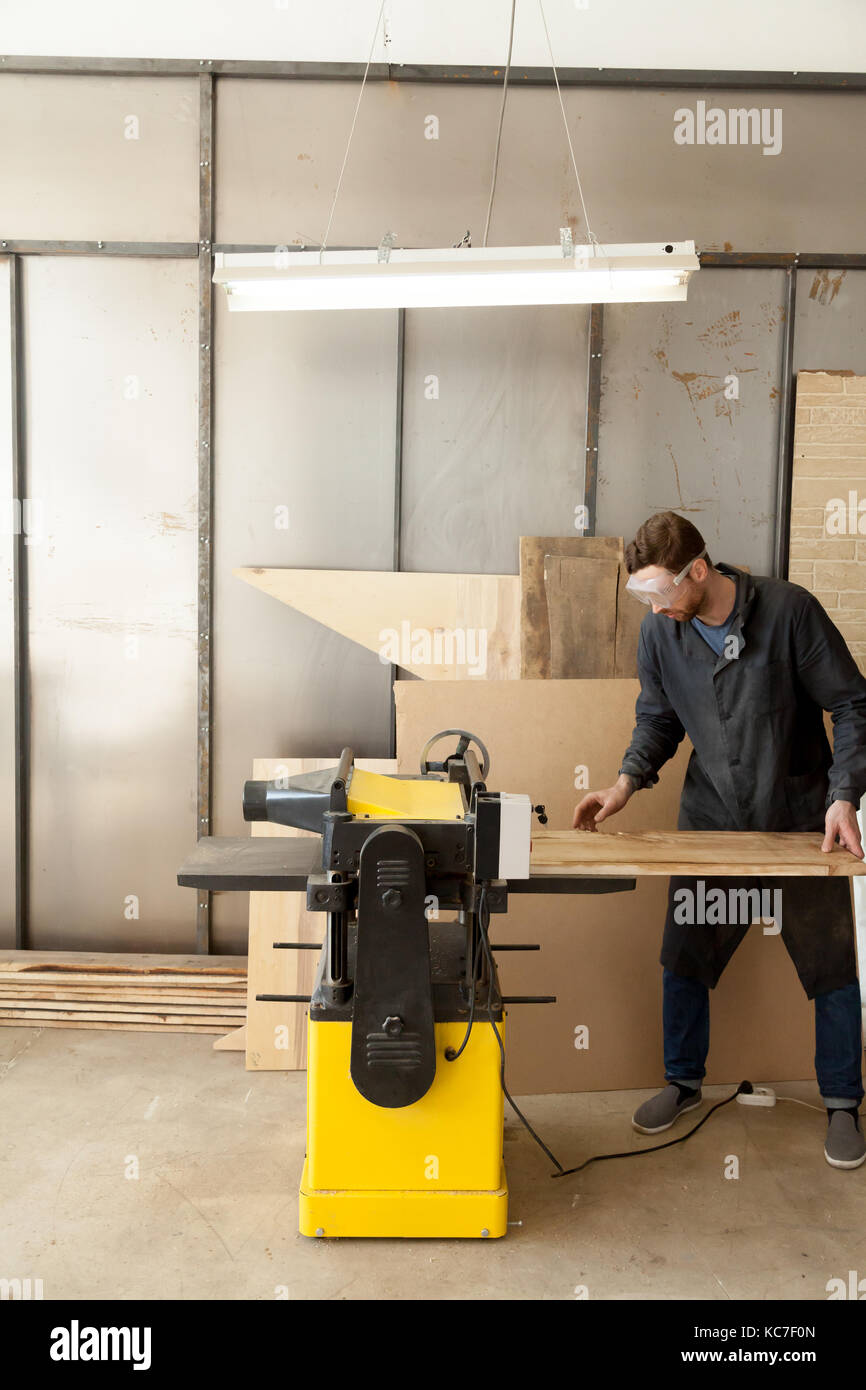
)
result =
(464, 741)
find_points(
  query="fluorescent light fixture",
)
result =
(462, 276)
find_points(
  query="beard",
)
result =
(685, 609)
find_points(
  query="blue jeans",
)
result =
(838, 1042)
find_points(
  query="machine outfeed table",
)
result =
(406, 1019)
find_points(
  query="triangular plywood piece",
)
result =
(438, 626)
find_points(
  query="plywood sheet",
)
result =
(599, 955)
(429, 624)
(534, 623)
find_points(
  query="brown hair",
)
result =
(667, 540)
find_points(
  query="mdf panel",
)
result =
(111, 439)
(493, 433)
(600, 954)
(99, 158)
(8, 520)
(670, 437)
(280, 146)
(304, 478)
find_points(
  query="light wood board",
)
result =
(276, 1034)
(599, 854)
(364, 605)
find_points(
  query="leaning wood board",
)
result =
(581, 611)
(276, 1034)
(601, 854)
(361, 604)
(534, 617)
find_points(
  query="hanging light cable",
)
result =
(501, 119)
(351, 132)
(565, 124)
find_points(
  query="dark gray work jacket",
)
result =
(761, 757)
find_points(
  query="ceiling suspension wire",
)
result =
(501, 119)
(565, 124)
(352, 131)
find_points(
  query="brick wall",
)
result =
(828, 513)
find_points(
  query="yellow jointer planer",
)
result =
(405, 1060)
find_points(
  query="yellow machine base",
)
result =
(441, 1214)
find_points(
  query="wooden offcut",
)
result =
(534, 620)
(581, 611)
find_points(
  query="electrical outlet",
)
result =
(761, 1095)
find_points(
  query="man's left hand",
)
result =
(841, 824)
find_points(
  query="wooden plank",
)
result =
(129, 992)
(50, 979)
(18, 984)
(118, 963)
(276, 1038)
(581, 613)
(661, 853)
(534, 625)
(104, 1016)
(205, 1014)
(362, 604)
(208, 1028)
(237, 1015)
(46, 991)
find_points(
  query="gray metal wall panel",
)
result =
(114, 473)
(831, 321)
(500, 452)
(280, 147)
(68, 170)
(670, 438)
(305, 411)
(7, 630)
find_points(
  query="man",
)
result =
(745, 666)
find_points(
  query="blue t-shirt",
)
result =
(715, 636)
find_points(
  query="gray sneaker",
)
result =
(845, 1146)
(663, 1110)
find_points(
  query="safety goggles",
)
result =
(660, 589)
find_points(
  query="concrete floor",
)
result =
(213, 1212)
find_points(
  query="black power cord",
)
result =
(744, 1088)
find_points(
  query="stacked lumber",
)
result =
(133, 993)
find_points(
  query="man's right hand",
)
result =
(597, 806)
